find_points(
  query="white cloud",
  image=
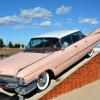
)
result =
(46, 24)
(69, 21)
(43, 24)
(26, 16)
(58, 24)
(37, 12)
(35, 24)
(22, 27)
(63, 10)
(91, 21)
(9, 20)
(38, 25)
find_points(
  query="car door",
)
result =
(78, 43)
(69, 53)
(87, 43)
(76, 46)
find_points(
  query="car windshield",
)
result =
(43, 45)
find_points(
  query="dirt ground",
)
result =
(11, 51)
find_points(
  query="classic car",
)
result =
(45, 56)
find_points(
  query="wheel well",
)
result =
(51, 73)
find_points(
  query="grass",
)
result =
(9, 51)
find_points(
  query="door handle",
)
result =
(75, 46)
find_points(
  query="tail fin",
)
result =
(96, 31)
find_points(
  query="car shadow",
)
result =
(72, 66)
(31, 93)
(4, 96)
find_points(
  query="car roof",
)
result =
(57, 34)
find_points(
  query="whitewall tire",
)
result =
(90, 54)
(43, 81)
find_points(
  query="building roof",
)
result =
(58, 34)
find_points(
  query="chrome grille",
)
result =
(8, 81)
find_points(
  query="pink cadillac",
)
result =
(45, 57)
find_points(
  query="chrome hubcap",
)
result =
(42, 80)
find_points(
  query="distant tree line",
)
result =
(10, 45)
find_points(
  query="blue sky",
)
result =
(22, 19)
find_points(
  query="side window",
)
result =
(81, 35)
(75, 37)
(66, 41)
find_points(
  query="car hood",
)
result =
(12, 65)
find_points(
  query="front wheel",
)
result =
(43, 81)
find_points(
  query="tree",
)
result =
(22, 46)
(1, 43)
(10, 45)
(17, 45)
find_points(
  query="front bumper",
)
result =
(11, 83)
(8, 82)
(23, 90)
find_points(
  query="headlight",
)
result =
(21, 81)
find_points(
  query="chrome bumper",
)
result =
(8, 82)
(11, 83)
(23, 90)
